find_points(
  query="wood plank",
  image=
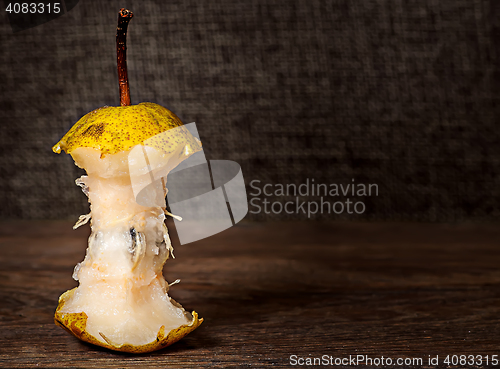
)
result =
(271, 290)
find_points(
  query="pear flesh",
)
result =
(121, 286)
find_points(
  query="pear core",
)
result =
(122, 300)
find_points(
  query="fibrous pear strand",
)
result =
(121, 227)
(124, 17)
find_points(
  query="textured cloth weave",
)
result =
(402, 94)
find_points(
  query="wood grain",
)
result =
(271, 290)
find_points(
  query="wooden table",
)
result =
(271, 290)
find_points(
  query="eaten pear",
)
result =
(122, 300)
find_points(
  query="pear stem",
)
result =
(124, 17)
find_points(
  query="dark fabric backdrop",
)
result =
(402, 94)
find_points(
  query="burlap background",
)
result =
(403, 94)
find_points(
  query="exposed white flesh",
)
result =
(122, 290)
